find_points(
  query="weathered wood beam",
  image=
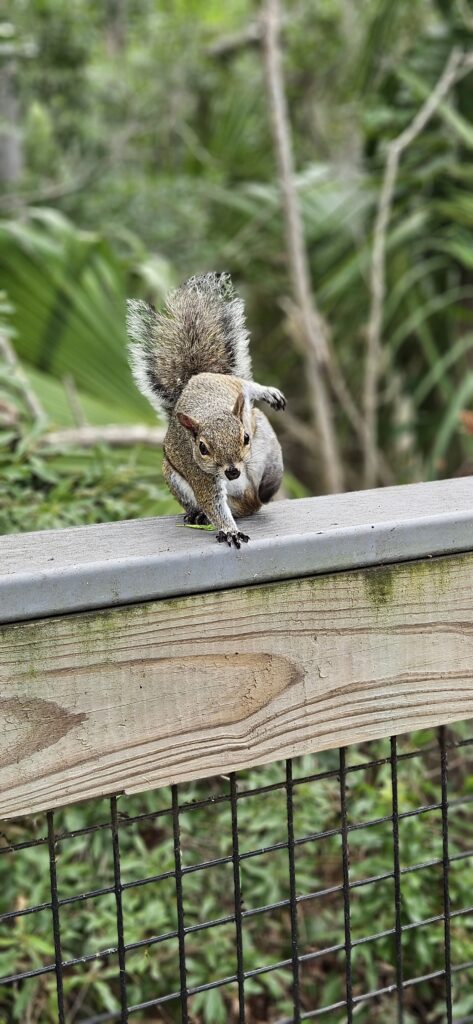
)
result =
(183, 688)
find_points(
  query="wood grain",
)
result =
(184, 688)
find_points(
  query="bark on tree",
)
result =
(11, 148)
(316, 348)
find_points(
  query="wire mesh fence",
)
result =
(336, 886)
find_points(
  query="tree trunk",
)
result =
(115, 27)
(313, 331)
(11, 147)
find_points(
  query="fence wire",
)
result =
(300, 951)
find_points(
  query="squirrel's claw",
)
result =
(232, 538)
(276, 398)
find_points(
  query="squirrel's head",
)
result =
(221, 444)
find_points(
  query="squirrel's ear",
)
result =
(188, 423)
(239, 406)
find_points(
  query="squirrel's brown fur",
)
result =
(191, 361)
(200, 330)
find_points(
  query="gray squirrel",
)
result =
(191, 361)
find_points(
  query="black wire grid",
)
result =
(349, 1005)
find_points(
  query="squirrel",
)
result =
(191, 361)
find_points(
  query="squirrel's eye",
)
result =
(246, 439)
(203, 450)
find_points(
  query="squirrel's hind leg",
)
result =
(184, 494)
(266, 465)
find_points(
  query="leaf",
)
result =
(446, 110)
(106, 995)
(68, 292)
(441, 364)
(450, 421)
(424, 311)
(198, 526)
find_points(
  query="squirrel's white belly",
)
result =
(256, 463)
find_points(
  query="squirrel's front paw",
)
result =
(276, 399)
(196, 518)
(230, 537)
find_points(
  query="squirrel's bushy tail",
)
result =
(200, 330)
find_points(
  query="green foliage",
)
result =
(147, 158)
(46, 491)
(41, 150)
(137, 131)
(68, 292)
(146, 846)
(46, 488)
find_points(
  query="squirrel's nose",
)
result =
(232, 472)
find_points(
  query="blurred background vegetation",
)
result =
(85, 864)
(137, 147)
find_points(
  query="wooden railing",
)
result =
(137, 654)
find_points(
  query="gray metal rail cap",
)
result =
(71, 570)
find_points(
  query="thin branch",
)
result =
(466, 15)
(56, 190)
(32, 402)
(313, 327)
(457, 65)
(227, 46)
(312, 331)
(84, 176)
(251, 35)
(340, 390)
(9, 415)
(298, 431)
(114, 436)
(73, 398)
